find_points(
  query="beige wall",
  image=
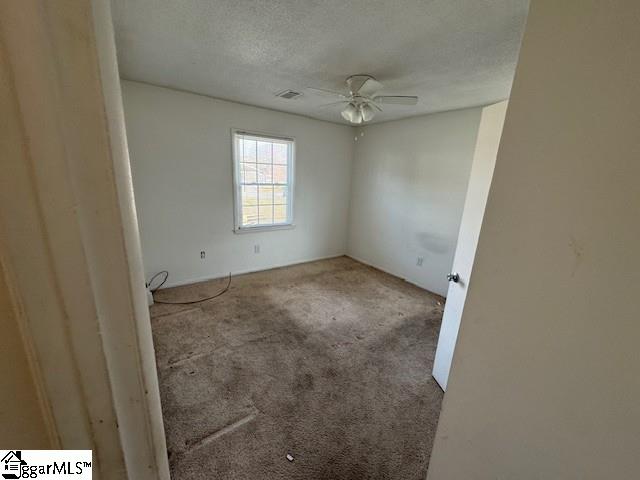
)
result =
(22, 422)
(545, 382)
(21, 416)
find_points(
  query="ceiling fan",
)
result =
(362, 100)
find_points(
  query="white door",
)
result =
(484, 160)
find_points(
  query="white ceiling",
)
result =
(451, 53)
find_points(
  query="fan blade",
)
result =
(327, 93)
(370, 87)
(371, 102)
(396, 100)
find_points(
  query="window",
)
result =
(263, 173)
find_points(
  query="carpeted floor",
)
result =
(328, 361)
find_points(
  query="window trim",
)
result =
(237, 205)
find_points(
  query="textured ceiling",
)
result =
(451, 53)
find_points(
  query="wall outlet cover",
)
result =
(149, 297)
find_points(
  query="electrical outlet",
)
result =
(419, 261)
(202, 254)
(256, 249)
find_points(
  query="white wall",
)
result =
(180, 147)
(396, 194)
(408, 189)
(545, 382)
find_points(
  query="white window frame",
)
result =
(237, 196)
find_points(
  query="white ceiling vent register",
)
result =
(289, 94)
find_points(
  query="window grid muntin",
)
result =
(265, 213)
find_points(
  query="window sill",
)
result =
(265, 228)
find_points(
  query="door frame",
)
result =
(70, 244)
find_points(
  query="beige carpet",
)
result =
(328, 361)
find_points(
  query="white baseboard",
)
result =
(189, 281)
(369, 264)
(357, 259)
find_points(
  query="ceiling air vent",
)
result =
(289, 94)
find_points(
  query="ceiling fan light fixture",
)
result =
(362, 99)
(352, 114)
(367, 112)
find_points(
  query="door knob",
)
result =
(453, 277)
